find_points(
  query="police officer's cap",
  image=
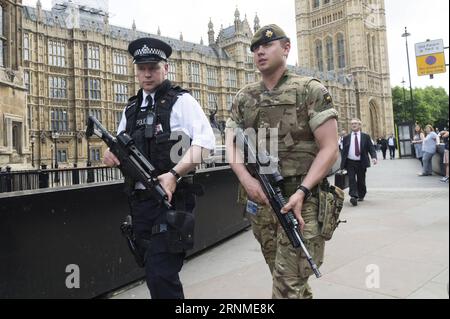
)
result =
(267, 34)
(149, 50)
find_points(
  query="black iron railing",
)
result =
(12, 181)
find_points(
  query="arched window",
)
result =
(2, 36)
(330, 54)
(341, 51)
(15, 137)
(319, 55)
(316, 4)
(1, 20)
(369, 52)
(374, 53)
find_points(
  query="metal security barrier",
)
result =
(50, 238)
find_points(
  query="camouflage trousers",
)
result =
(289, 267)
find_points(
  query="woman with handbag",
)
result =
(419, 137)
(429, 149)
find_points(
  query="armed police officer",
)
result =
(162, 119)
(301, 111)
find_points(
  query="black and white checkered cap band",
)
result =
(146, 51)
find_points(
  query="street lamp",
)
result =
(32, 141)
(55, 136)
(404, 99)
(406, 35)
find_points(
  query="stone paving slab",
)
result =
(402, 229)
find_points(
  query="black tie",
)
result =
(149, 102)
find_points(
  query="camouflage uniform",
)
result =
(297, 106)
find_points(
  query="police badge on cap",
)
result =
(149, 50)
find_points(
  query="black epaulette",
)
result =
(132, 102)
(177, 91)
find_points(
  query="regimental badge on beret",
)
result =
(267, 34)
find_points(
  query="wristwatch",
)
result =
(306, 191)
(177, 176)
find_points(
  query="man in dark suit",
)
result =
(392, 142)
(355, 159)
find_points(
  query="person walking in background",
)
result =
(355, 159)
(429, 149)
(384, 146)
(341, 140)
(444, 137)
(392, 143)
(419, 137)
(379, 144)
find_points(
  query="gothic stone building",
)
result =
(14, 142)
(76, 64)
(349, 37)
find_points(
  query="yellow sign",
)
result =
(431, 64)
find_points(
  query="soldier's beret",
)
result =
(149, 50)
(267, 34)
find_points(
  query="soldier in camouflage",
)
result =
(301, 109)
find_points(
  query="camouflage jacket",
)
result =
(296, 107)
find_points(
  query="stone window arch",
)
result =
(330, 53)
(15, 136)
(319, 54)
(374, 53)
(3, 34)
(315, 4)
(369, 51)
(341, 51)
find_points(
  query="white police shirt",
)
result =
(187, 116)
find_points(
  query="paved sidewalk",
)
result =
(400, 231)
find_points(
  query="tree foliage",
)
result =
(430, 106)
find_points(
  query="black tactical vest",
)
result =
(154, 139)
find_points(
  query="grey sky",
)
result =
(425, 19)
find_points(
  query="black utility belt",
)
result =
(144, 195)
(141, 195)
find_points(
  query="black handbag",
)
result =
(341, 180)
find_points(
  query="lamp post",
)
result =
(55, 137)
(32, 141)
(406, 35)
(404, 100)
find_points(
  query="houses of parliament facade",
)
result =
(58, 67)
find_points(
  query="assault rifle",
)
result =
(272, 185)
(133, 163)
